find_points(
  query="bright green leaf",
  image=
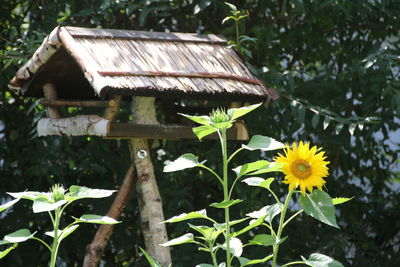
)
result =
(340, 200)
(6, 251)
(201, 214)
(203, 120)
(320, 260)
(205, 231)
(273, 167)
(339, 128)
(225, 203)
(79, 192)
(8, 204)
(263, 240)
(203, 131)
(352, 128)
(235, 245)
(186, 238)
(19, 236)
(252, 224)
(257, 181)
(268, 212)
(235, 113)
(263, 143)
(30, 195)
(326, 122)
(251, 167)
(152, 262)
(43, 204)
(93, 218)
(319, 205)
(185, 161)
(231, 6)
(247, 262)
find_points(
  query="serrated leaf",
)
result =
(98, 219)
(340, 200)
(203, 131)
(8, 204)
(19, 236)
(226, 203)
(63, 233)
(30, 195)
(326, 122)
(184, 239)
(319, 205)
(201, 214)
(273, 167)
(6, 251)
(152, 262)
(203, 120)
(315, 120)
(80, 192)
(247, 262)
(42, 205)
(339, 128)
(263, 240)
(235, 113)
(205, 231)
(320, 260)
(268, 212)
(263, 143)
(235, 245)
(251, 167)
(257, 181)
(185, 161)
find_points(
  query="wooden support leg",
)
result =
(95, 249)
(50, 94)
(150, 204)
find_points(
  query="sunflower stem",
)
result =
(280, 228)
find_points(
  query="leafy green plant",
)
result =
(304, 168)
(54, 203)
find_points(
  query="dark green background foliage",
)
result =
(334, 63)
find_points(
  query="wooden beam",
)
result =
(171, 132)
(74, 103)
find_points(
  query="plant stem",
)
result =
(214, 258)
(226, 195)
(280, 228)
(54, 247)
(293, 263)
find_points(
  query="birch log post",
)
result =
(50, 94)
(150, 204)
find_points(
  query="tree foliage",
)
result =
(335, 65)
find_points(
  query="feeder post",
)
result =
(150, 204)
(50, 94)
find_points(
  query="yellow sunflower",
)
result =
(303, 167)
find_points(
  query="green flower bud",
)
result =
(219, 115)
(58, 192)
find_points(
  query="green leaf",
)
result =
(201, 6)
(226, 203)
(152, 262)
(63, 233)
(263, 240)
(201, 214)
(320, 260)
(79, 192)
(203, 131)
(19, 236)
(8, 204)
(339, 128)
(205, 231)
(44, 204)
(257, 181)
(235, 113)
(235, 245)
(251, 167)
(6, 251)
(315, 120)
(93, 218)
(273, 167)
(231, 6)
(30, 195)
(203, 120)
(204, 265)
(186, 238)
(263, 143)
(185, 161)
(352, 128)
(253, 223)
(326, 122)
(247, 262)
(340, 200)
(301, 113)
(268, 212)
(319, 205)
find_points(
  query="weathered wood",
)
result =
(76, 126)
(50, 94)
(150, 203)
(74, 103)
(95, 249)
(112, 107)
(171, 132)
(148, 36)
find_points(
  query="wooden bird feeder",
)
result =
(81, 67)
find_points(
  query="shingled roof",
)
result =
(87, 63)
